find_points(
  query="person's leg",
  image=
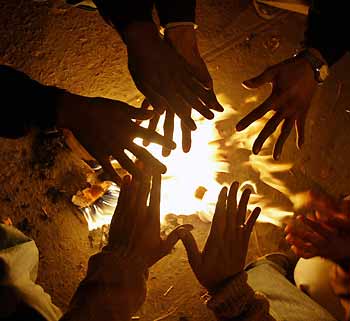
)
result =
(286, 301)
(312, 277)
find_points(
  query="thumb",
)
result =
(140, 113)
(174, 237)
(264, 78)
(190, 244)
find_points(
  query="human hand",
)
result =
(227, 242)
(293, 86)
(135, 227)
(116, 277)
(326, 234)
(167, 78)
(105, 128)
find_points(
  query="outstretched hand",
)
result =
(293, 86)
(325, 234)
(106, 128)
(135, 228)
(227, 242)
(172, 76)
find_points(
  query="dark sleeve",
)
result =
(327, 22)
(120, 13)
(176, 11)
(25, 104)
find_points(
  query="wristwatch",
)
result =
(320, 68)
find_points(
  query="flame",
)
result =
(187, 172)
(196, 172)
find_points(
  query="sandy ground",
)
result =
(76, 50)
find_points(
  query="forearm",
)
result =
(120, 14)
(326, 24)
(238, 301)
(26, 104)
(176, 11)
(114, 289)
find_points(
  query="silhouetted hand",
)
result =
(226, 248)
(293, 86)
(135, 228)
(171, 80)
(326, 234)
(105, 128)
(116, 278)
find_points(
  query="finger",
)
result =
(317, 227)
(266, 77)
(299, 243)
(302, 252)
(252, 219)
(231, 208)
(142, 197)
(139, 113)
(155, 198)
(116, 222)
(151, 163)
(194, 256)
(155, 138)
(286, 129)
(323, 203)
(109, 170)
(174, 237)
(155, 100)
(168, 130)
(242, 207)
(340, 222)
(126, 163)
(152, 126)
(218, 225)
(180, 107)
(267, 131)
(145, 106)
(196, 103)
(300, 128)
(308, 237)
(257, 113)
(213, 102)
(186, 138)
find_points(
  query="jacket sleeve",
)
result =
(120, 13)
(26, 104)
(176, 11)
(327, 22)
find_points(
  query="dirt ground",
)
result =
(76, 50)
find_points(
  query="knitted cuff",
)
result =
(231, 300)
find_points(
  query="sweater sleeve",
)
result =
(327, 22)
(120, 13)
(176, 11)
(237, 301)
(26, 104)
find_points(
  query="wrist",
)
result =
(114, 288)
(140, 34)
(232, 299)
(68, 105)
(316, 62)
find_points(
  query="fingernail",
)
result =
(239, 127)
(165, 152)
(172, 145)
